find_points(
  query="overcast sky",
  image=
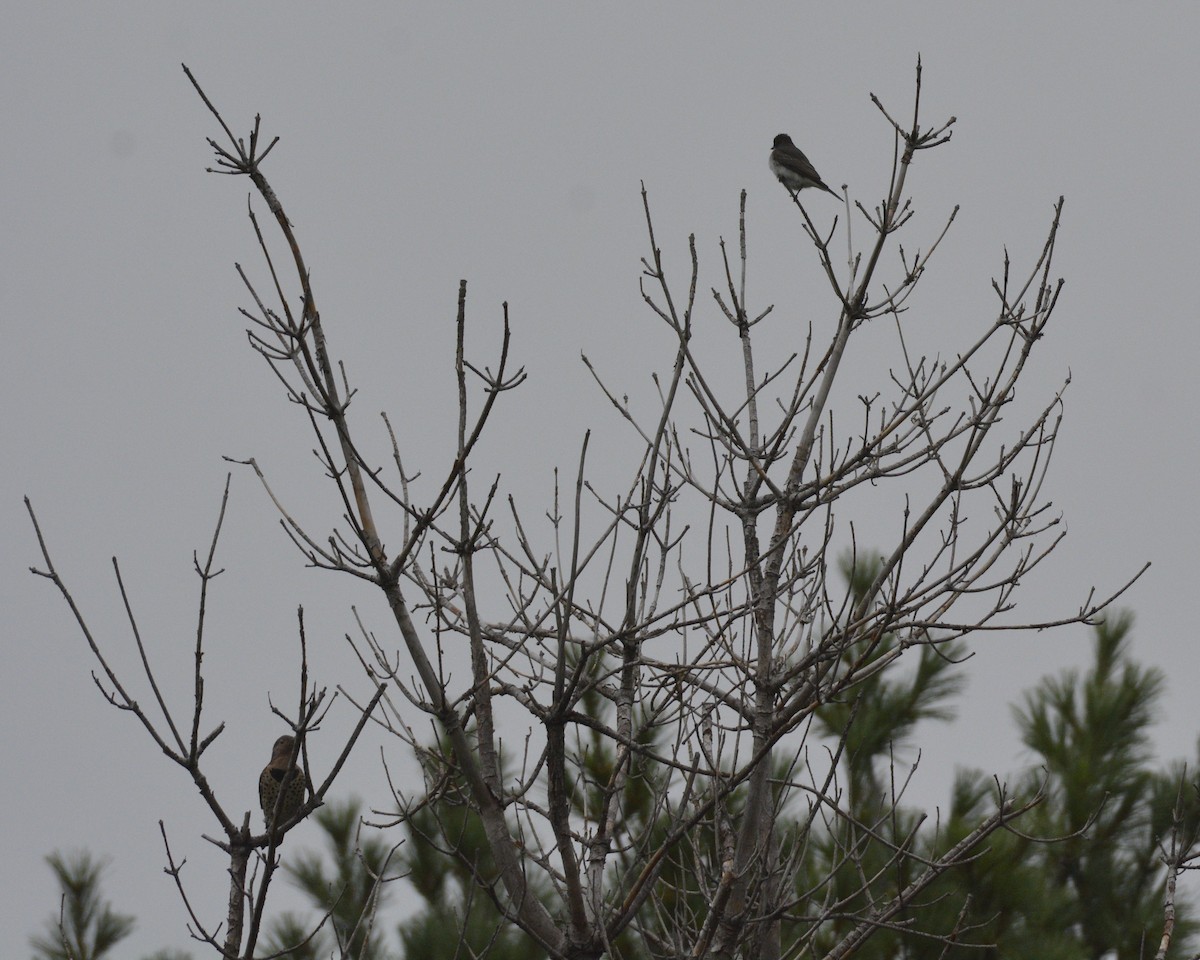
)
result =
(504, 143)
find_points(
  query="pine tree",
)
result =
(851, 862)
(89, 926)
(349, 882)
(86, 926)
(1091, 734)
(447, 860)
(1084, 876)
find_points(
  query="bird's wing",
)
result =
(265, 780)
(791, 157)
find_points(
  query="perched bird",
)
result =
(281, 776)
(792, 167)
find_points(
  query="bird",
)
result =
(792, 167)
(281, 775)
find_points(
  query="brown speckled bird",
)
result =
(281, 775)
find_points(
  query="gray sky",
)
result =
(505, 144)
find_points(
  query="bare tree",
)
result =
(186, 748)
(685, 629)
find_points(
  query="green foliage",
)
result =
(1090, 884)
(445, 859)
(292, 935)
(851, 862)
(349, 884)
(995, 904)
(88, 927)
(1080, 878)
(1092, 881)
(1109, 806)
(449, 865)
(887, 706)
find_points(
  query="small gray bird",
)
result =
(792, 167)
(281, 776)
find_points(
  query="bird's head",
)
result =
(783, 140)
(283, 747)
